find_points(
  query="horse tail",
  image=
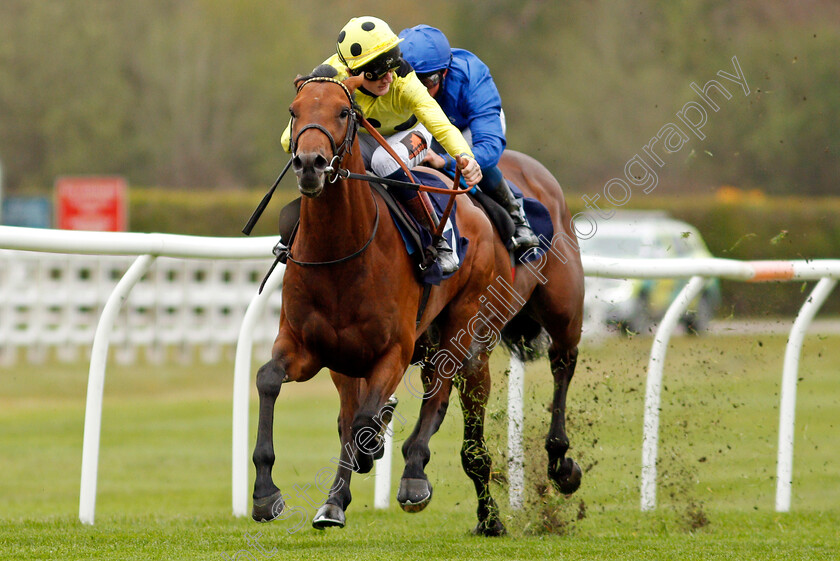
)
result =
(525, 338)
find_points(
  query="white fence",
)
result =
(50, 305)
(150, 246)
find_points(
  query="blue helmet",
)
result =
(425, 48)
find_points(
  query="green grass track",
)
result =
(164, 472)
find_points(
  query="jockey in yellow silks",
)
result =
(394, 101)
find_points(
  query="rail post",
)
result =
(787, 407)
(96, 385)
(516, 418)
(650, 440)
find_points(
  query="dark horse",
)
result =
(350, 300)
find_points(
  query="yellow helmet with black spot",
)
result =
(367, 45)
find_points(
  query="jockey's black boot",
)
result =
(448, 263)
(523, 236)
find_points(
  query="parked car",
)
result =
(634, 305)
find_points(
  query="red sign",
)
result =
(95, 203)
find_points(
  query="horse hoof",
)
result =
(268, 508)
(491, 528)
(567, 478)
(328, 516)
(414, 494)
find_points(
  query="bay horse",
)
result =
(350, 304)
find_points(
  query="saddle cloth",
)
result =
(537, 214)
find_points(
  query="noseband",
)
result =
(352, 127)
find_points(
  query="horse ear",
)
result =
(299, 79)
(353, 82)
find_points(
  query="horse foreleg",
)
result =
(415, 491)
(268, 500)
(564, 472)
(474, 390)
(332, 512)
(289, 363)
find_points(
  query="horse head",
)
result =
(322, 112)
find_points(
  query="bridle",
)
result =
(339, 152)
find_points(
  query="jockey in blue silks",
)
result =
(463, 87)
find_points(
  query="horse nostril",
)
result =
(297, 164)
(320, 163)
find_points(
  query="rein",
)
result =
(339, 152)
(283, 253)
(347, 174)
(280, 251)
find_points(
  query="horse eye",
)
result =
(292, 112)
(344, 113)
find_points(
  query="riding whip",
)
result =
(264, 202)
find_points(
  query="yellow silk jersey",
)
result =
(406, 102)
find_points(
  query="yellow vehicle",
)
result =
(634, 305)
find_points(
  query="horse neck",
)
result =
(340, 220)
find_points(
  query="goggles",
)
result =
(430, 79)
(379, 67)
